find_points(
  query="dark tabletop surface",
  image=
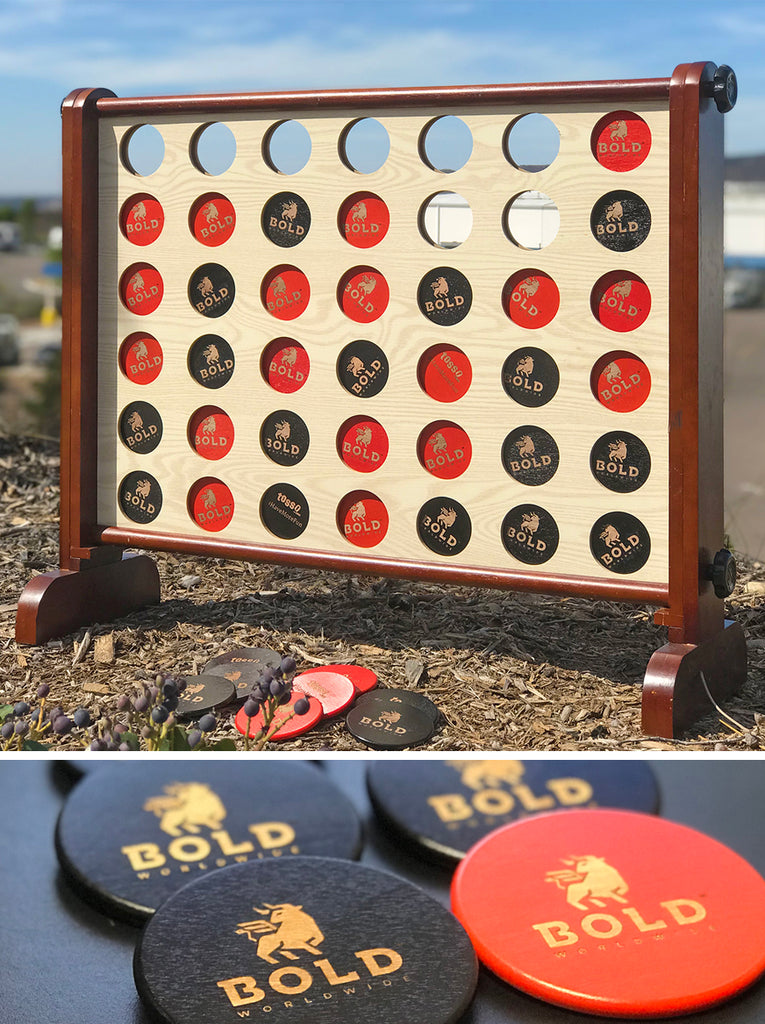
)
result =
(62, 962)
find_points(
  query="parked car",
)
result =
(9, 340)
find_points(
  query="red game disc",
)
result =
(142, 219)
(210, 504)
(141, 357)
(531, 298)
(364, 219)
(362, 519)
(290, 725)
(141, 288)
(613, 913)
(363, 679)
(212, 219)
(620, 381)
(444, 372)
(363, 294)
(211, 432)
(621, 141)
(362, 444)
(285, 365)
(621, 300)
(333, 690)
(444, 449)
(285, 292)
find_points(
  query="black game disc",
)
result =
(211, 361)
(530, 455)
(444, 526)
(530, 534)
(620, 461)
(284, 437)
(243, 666)
(131, 835)
(442, 808)
(620, 220)
(211, 290)
(531, 377)
(140, 427)
(286, 219)
(309, 940)
(362, 369)
(203, 693)
(411, 697)
(284, 511)
(444, 296)
(140, 497)
(389, 723)
(620, 542)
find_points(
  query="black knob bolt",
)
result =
(723, 88)
(722, 573)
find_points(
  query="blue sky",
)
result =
(153, 47)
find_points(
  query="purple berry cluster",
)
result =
(273, 689)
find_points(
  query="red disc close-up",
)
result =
(444, 449)
(362, 444)
(364, 219)
(363, 294)
(212, 219)
(620, 381)
(288, 724)
(621, 301)
(285, 365)
(363, 679)
(613, 913)
(362, 519)
(444, 373)
(333, 690)
(621, 141)
(142, 219)
(141, 357)
(210, 504)
(211, 432)
(285, 292)
(141, 288)
(531, 298)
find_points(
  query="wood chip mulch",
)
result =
(508, 671)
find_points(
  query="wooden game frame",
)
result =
(99, 579)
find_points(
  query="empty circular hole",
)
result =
(532, 220)
(287, 147)
(532, 142)
(143, 150)
(365, 145)
(446, 144)
(213, 148)
(446, 219)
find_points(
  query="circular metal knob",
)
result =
(722, 573)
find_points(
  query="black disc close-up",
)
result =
(131, 835)
(439, 809)
(390, 722)
(310, 940)
(243, 666)
(410, 697)
(203, 693)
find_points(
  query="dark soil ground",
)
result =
(508, 671)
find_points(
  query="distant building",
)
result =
(745, 230)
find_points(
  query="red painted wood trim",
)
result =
(546, 583)
(629, 91)
(79, 340)
(695, 358)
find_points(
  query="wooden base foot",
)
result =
(56, 603)
(673, 694)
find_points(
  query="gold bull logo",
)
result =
(185, 807)
(487, 774)
(589, 878)
(283, 929)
